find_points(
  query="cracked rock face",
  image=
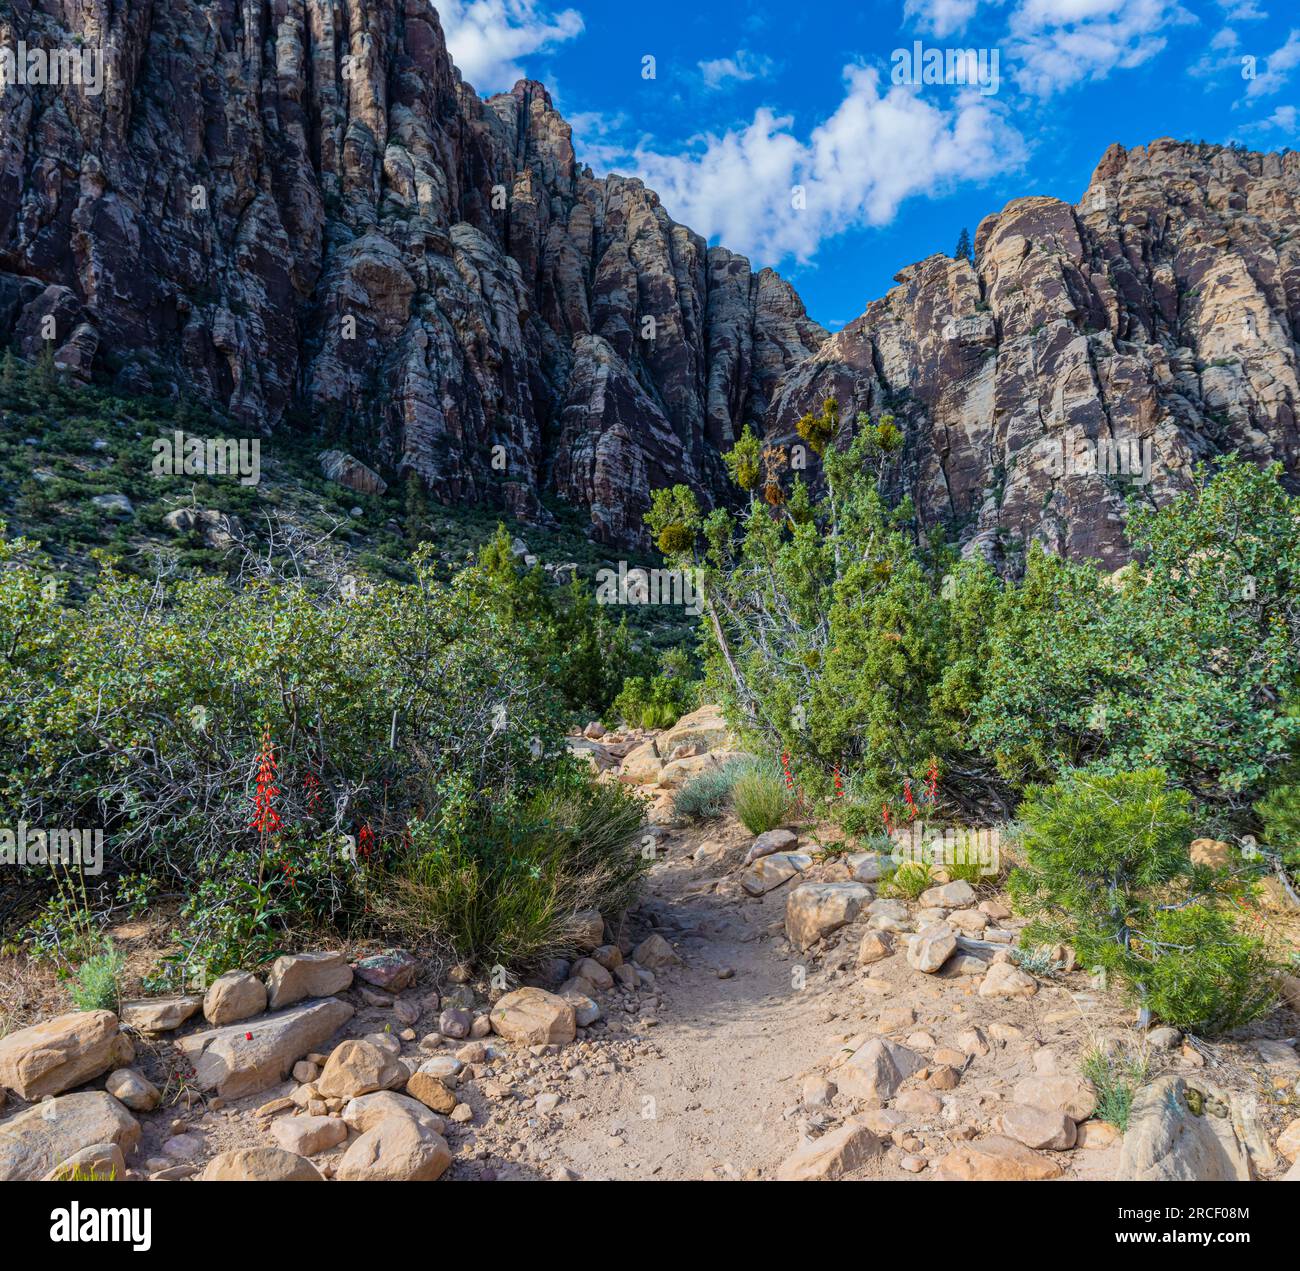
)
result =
(1158, 317)
(298, 205)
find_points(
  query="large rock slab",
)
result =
(161, 1014)
(1181, 1132)
(831, 1156)
(60, 1053)
(296, 977)
(772, 841)
(814, 910)
(534, 1017)
(246, 1058)
(996, 1159)
(36, 1141)
(769, 872)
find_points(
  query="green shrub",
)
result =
(505, 892)
(657, 701)
(760, 799)
(1116, 1075)
(1107, 870)
(908, 881)
(97, 983)
(705, 796)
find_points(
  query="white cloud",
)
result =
(1242, 10)
(942, 17)
(741, 68)
(486, 37)
(857, 168)
(1278, 67)
(1060, 43)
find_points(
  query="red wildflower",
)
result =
(266, 820)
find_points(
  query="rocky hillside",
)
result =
(1164, 308)
(287, 205)
(300, 211)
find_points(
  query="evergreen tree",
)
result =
(963, 245)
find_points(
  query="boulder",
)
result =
(34, 1142)
(814, 910)
(996, 1159)
(1212, 852)
(398, 1149)
(1075, 1097)
(594, 973)
(876, 1069)
(260, 1165)
(60, 1053)
(432, 1091)
(234, 996)
(368, 1110)
(1288, 1142)
(641, 767)
(832, 1156)
(161, 1014)
(295, 977)
(393, 970)
(98, 1163)
(306, 1136)
(954, 895)
(654, 951)
(133, 1089)
(359, 1067)
(534, 1017)
(772, 841)
(1178, 1132)
(868, 867)
(1037, 1127)
(244, 1059)
(875, 946)
(588, 930)
(769, 872)
(931, 947)
(1005, 980)
(705, 726)
(347, 470)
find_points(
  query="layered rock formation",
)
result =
(1156, 319)
(297, 205)
(297, 209)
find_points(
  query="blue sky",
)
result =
(780, 129)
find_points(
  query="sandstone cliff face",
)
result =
(1163, 309)
(297, 204)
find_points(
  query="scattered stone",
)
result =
(593, 972)
(818, 1092)
(1095, 1135)
(134, 1090)
(876, 1069)
(996, 1159)
(99, 1163)
(769, 843)
(234, 996)
(183, 1147)
(831, 1156)
(1072, 1096)
(398, 1149)
(919, 1103)
(60, 1053)
(455, 1023)
(1288, 1142)
(814, 910)
(306, 1136)
(954, 895)
(304, 1070)
(462, 1113)
(161, 1014)
(875, 946)
(867, 867)
(260, 1165)
(769, 872)
(534, 1017)
(1165, 1038)
(588, 930)
(1007, 980)
(1039, 1128)
(295, 977)
(931, 947)
(653, 952)
(368, 1110)
(393, 970)
(1213, 853)
(359, 1067)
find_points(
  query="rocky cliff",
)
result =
(298, 209)
(298, 206)
(1152, 325)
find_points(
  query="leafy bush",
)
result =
(760, 799)
(908, 881)
(1107, 870)
(1116, 1075)
(97, 984)
(657, 701)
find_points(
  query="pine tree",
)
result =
(963, 245)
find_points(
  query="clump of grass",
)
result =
(97, 984)
(706, 795)
(760, 799)
(1117, 1076)
(908, 881)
